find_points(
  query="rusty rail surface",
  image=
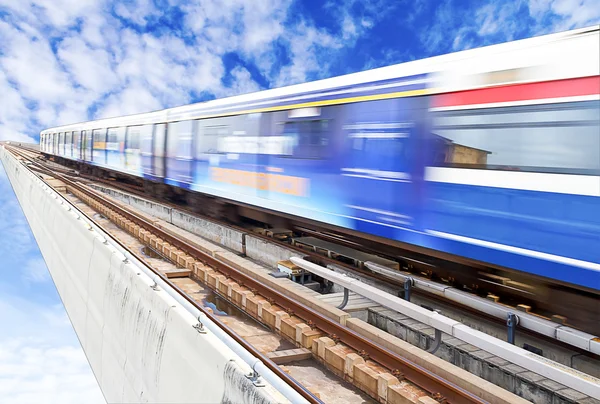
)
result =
(416, 374)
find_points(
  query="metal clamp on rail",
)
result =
(255, 378)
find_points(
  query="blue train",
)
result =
(491, 154)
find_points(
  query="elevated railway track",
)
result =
(424, 285)
(189, 256)
(544, 306)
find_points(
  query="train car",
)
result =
(491, 154)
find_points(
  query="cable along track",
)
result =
(437, 386)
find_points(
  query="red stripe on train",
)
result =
(521, 92)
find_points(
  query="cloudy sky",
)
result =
(63, 61)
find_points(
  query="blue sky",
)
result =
(64, 61)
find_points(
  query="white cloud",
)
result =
(133, 99)
(35, 270)
(242, 82)
(12, 110)
(89, 67)
(14, 230)
(567, 14)
(63, 13)
(137, 11)
(40, 358)
(72, 60)
(454, 28)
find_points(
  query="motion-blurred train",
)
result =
(490, 154)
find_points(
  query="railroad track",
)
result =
(414, 271)
(435, 385)
(423, 272)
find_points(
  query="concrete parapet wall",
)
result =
(268, 253)
(253, 247)
(481, 364)
(223, 235)
(140, 342)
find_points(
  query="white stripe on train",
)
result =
(521, 251)
(588, 185)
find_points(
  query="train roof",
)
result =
(423, 66)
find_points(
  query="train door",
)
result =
(302, 168)
(115, 146)
(158, 160)
(211, 140)
(99, 146)
(146, 152)
(378, 165)
(69, 144)
(180, 151)
(86, 145)
(243, 159)
(132, 148)
(61, 144)
(77, 145)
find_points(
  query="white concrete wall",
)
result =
(223, 235)
(140, 342)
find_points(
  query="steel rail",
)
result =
(418, 375)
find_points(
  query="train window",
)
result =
(134, 135)
(180, 139)
(69, 144)
(115, 139)
(112, 136)
(159, 149)
(561, 137)
(76, 137)
(99, 136)
(159, 143)
(61, 143)
(209, 133)
(99, 145)
(132, 138)
(87, 144)
(146, 141)
(309, 138)
(245, 136)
